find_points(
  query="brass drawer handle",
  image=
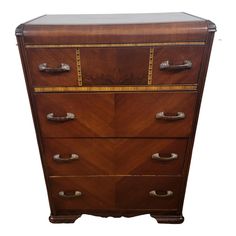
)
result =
(63, 68)
(69, 116)
(165, 65)
(163, 116)
(154, 193)
(74, 195)
(157, 156)
(57, 157)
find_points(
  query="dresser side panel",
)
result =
(24, 61)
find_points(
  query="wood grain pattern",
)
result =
(97, 193)
(53, 58)
(128, 33)
(116, 115)
(114, 66)
(113, 192)
(133, 192)
(114, 156)
(177, 55)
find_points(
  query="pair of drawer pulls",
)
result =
(165, 65)
(152, 193)
(160, 115)
(155, 156)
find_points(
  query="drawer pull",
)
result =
(69, 116)
(157, 156)
(63, 68)
(165, 65)
(72, 157)
(73, 195)
(154, 193)
(163, 116)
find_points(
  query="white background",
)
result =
(210, 202)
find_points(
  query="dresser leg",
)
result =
(178, 219)
(63, 218)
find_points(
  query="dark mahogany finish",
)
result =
(177, 55)
(114, 156)
(116, 115)
(126, 66)
(114, 193)
(53, 58)
(115, 101)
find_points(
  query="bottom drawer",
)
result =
(78, 194)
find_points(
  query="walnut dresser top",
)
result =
(115, 100)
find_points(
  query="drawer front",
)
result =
(114, 156)
(72, 194)
(48, 75)
(116, 115)
(177, 64)
(114, 65)
(148, 192)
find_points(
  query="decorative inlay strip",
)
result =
(192, 87)
(78, 62)
(111, 45)
(150, 65)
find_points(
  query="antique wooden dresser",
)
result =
(115, 101)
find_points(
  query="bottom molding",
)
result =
(163, 219)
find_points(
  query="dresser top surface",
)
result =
(107, 19)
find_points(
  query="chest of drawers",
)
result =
(115, 101)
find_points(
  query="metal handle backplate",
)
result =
(73, 195)
(154, 193)
(69, 116)
(165, 65)
(162, 115)
(63, 68)
(157, 156)
(57, 157)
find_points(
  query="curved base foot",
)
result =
(63, 219)
(178, 219)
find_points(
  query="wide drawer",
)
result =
(114, 156)
(114, 65)
(116, 115)
(124, 192)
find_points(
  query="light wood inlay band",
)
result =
(78, 62)
(111, 45)
(192, 87)
(150, 65)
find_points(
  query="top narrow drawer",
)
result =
(107, 66)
